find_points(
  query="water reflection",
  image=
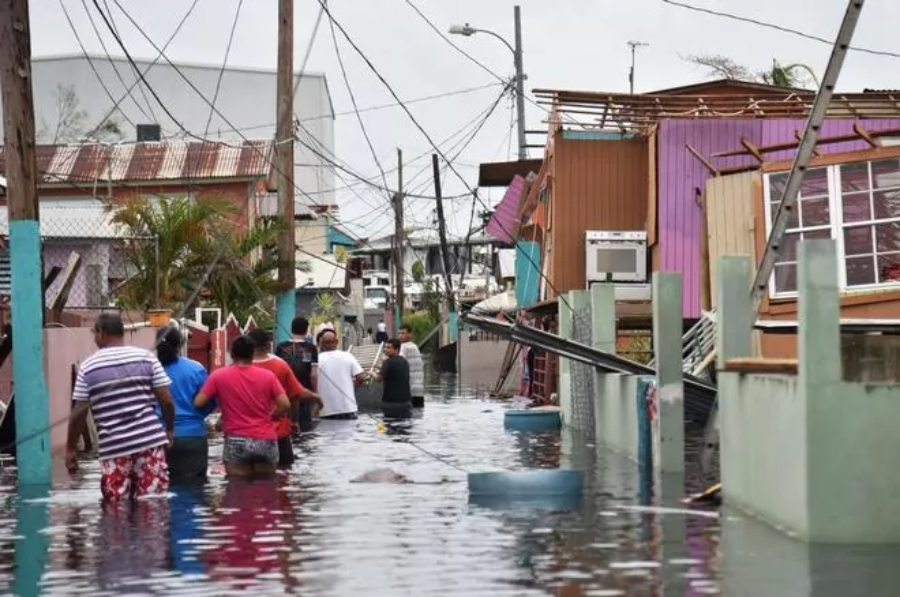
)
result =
(311, 531)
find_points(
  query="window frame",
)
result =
(836, 226)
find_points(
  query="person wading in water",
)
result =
(339, 374)
(396, 400)
(262, 357)
(250, 398)
(409, 350)
(303, 357)
(122, 386)
(189, 454)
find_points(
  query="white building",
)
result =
(70, 102)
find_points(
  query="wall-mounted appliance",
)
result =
(620, 258)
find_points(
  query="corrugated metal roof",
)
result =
(152, 161)
(503, 222)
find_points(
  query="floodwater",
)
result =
(312, 532)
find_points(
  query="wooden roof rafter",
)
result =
(860, 133)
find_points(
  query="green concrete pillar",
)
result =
(603, 322)
(668, 448)
(734, 309)
(564, 387)
(819, 336)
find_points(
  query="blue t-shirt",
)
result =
(188, 376)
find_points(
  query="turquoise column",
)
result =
(286, 309)
(453, 326)
(33, 453)
(32, 550)
(528, 274)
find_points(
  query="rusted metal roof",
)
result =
(637, 113)
(152, 161)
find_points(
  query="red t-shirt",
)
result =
(292, 387)
(246, 398)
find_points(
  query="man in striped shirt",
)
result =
(122, 385)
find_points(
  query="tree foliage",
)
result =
(783, 75)
(69, 122)
(180, 244)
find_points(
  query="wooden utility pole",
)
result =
(27, 296)
(442, 232)
(399, 292)
(286, 303)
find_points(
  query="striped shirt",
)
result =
(410, 352)
(119, 381)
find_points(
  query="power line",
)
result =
(418, 125)
(190, 83)
(137, 80)
(87, 56)
(234, 23)
(775, 27)
(115, 69)
(362, 126)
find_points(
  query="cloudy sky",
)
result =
(569, 44)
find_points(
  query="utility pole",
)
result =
(634, 45)
(286, 302)
(33, 408)
(520, 85)
(399, 291)
(442, 232)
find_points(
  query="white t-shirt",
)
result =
(410, 352)
(336, 386)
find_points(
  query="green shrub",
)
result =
(422, 322)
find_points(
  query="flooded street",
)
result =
(313, 532)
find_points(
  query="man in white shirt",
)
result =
(339, 374)
(410, 351)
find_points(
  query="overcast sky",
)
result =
(569, 44)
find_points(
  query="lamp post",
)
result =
(467, 30)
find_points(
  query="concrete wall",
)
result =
(63, 349)
(481, 359)
(812, 453)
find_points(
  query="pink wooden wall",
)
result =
(63, 348)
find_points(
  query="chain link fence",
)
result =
(89, 261)
(582, 374)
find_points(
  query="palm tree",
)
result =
(190, 236)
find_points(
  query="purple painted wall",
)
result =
(680, 174)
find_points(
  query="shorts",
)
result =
(247, 451)
(285, 452)
(136, 475)
(418, 401)
(188, 457)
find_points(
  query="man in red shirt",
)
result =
(263, 357)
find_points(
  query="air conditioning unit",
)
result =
(620, 258)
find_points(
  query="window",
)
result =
(857, 204)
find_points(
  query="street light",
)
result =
(468, 31)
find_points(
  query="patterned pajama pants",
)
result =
(140, 474)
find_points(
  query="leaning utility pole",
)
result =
(33, 407)
(442, 232)
(399, 292)
(286, 303)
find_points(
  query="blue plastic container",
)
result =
(542, 418)
(529, 484)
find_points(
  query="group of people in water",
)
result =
(151, 408)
